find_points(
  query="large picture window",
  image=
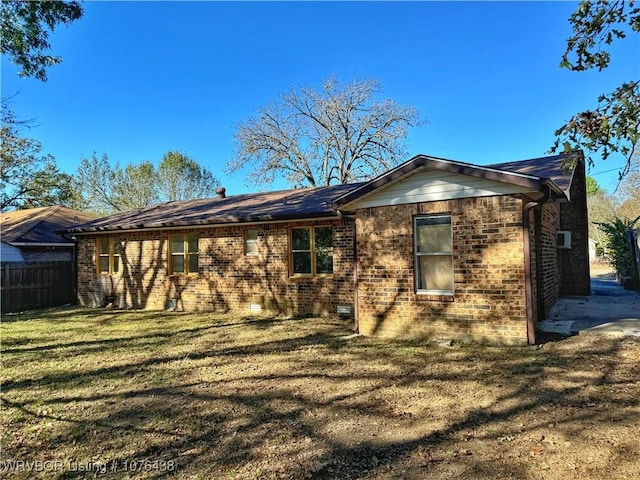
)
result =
(433, 254)
(108, 261)
(311, 251)
(184, 254)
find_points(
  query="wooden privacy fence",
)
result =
(29, 285)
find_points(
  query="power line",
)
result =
(606, 171)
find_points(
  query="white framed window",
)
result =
(433, 240)
(251, 242)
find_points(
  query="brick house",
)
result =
(432, 248)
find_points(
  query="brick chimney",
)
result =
(221, 192)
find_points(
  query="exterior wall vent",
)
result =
(255, 307)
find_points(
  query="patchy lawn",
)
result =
(151, 394)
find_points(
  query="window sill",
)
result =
(309, 277)
(435, 297)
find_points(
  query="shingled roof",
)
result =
(296, 204)
(321, 202)
(558, 168)
(36, 226)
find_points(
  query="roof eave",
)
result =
(41, 244)
(251, 220)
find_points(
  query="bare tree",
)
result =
(602, 209)
(629, 190)
(338, 135)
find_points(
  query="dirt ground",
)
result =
(152, 395)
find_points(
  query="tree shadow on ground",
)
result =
(283, 398)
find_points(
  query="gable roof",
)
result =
(38, 226)
(283, 205)
(533, 174)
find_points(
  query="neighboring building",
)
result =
(593, 249)
(32, 234)
(432, 248)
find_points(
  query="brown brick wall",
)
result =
(548, 274)
(489, 299)
(227, 279)
(574, 262)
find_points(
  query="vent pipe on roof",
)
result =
(221, 192)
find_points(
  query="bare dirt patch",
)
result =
(155, 394)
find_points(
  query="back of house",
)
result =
(432, 248)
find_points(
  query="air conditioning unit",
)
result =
(563, 239)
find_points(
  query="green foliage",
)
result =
(95, 180)
(28, 177)
(49, 187)
(134, 185)
(25, 30)
(595, 24)
(592, 186)
(617, 244)
(106, 188)
(179, 177)
(612, 126)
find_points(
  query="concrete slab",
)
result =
(610, 310)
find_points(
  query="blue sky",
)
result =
(140, 78)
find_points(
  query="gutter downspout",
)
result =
(356, 323)
(531, 322)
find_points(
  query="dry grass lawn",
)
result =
(107, 394)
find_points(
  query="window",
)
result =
(108, 260)
(184, 254)
(433, 254)
(311, 251)
(251, 247)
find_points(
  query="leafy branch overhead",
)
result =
(25, 30)
(612, 126)
(28, 177)
(596, 24)
(337, 135)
